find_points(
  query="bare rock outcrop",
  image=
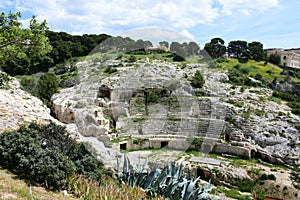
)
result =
(18, 107)
(269, 128)
(155, 99)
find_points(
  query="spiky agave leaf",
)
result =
(160, 181)
(171, 189)
(184, 185)
(178, 173)
(190, 190)
(126, 165)
(152, 175)
(140, 179)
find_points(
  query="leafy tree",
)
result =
(256, 51)
(18, 44)
(193, 49)
(197, 80)
(177, 48)
(141, 44)
(164, 43)
(66, 46)
(275, 58)
(238, 49)
(215, 48)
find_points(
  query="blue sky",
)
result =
(275, 23)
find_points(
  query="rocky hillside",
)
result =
(151, 104)
(18, 107)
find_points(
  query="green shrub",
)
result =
(239, 104)
(284, 96)
(47, 85)
(294, 104)
(29, 84)
(264, 177)
(221, 60)
(152, 97)
(272, 177)
(244, 70)
(246, 186)
(267, 177)
(275, 99)
(295, 111)
(178, 58)
(295, 177)
(197, 80)
(132, 59)
(4, 79)
(237, 66)
(200, 92)
(47, 155)
(110, 70)
(274, 58)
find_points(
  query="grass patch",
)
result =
(275, 99)
(239, 72)
(239, 104)
(234, 193)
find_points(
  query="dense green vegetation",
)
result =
(259, 74)
(47, 154)
(274, 58)
(47, 85)
(239, 73)
(66, 46)
(215, 48)
(22, 49)
(238, 49)
(36, 49)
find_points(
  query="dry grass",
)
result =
(14, 188)
(110, 190)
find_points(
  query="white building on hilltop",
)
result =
(289, 57)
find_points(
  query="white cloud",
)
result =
(186, 33)
(115, 16)
(245, 6)
(104, 15)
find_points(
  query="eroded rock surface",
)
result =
(155, 99)
(18, 107)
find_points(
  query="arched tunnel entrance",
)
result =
(200, 173)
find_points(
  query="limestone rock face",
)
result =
(18, 107)
(268, 127)
(155, 99)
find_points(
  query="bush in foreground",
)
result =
(46, 154)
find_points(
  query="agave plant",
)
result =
(169, 182)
